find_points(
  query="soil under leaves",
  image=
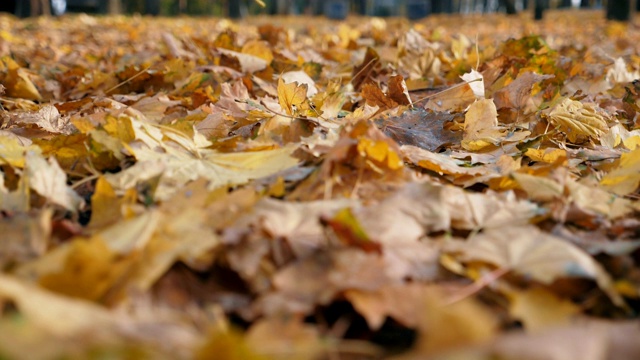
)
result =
(296, 188)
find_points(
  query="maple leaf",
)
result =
(398, 90)
(375, 97)
(516, 94)
(626, 177)
(48, 180)
(292, 95)
(530, 252)
(420, 128)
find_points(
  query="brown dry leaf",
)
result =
(18, 200)
(399, 301)
(420, 128)
(375, 97)
(398, 90)
(517, 93)
(539, 188)
(182, 159)
(363, 73)
(326, 274)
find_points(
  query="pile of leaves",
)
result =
(296, 188)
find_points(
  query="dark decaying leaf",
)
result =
(420, 128)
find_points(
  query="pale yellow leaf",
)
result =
(48, 180)
(539, 188)
(12, 151)
(248, 63)
(46, 309)
(578, 120)
(532, 253)
(538, 309)
(481, 125)
(625, 178)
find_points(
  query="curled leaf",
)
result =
(578, 120)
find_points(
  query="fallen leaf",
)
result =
(481, 125)
(539, 309)
(375, 97)
(578, 120)
(398, 90)
(290, 96)
(48, 180)
(625, 178)
(420, 128)
(534, 254)
(517, 93)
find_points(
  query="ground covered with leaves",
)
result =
(296, 188)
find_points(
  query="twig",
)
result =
(128, 80)
(478, 285)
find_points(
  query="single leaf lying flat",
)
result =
(532, 253)
(624, 179)
(420, 128)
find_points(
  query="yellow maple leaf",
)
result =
(546, 155)
(12, 151)
(290, 96)
(259, 49)
(380, 153)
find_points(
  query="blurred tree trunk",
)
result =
(234, 9)
(619, 10)
(40, 7)
(114, 7)
(565, 4)
(151, 7)
(539, 7)
(585, 4)
(509, 6)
